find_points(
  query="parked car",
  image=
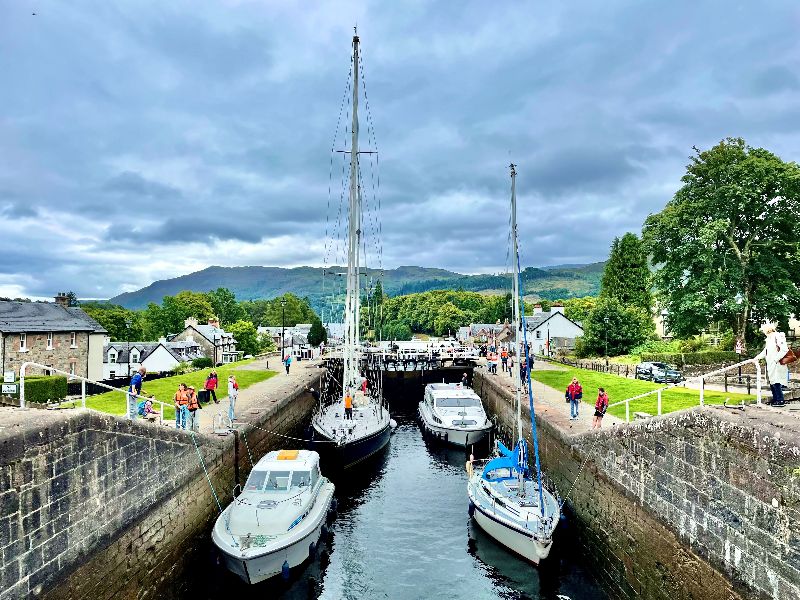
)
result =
(658, 372)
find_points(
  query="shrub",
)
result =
(44, 389)
(657, 346)
(695, 344)
(181, 368)
(711, 357)
(202, 363)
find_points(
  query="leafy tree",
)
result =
(726, 244)
(612, 328)
(170, 317)
(318, 334)
(296, 310)
(246, 336)
(114, 319)
(578, 309)
(225, 307)
(626, 275)
(448, 319)
(545, 304)
(72, 299)
(396, 331)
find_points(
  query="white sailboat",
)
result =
(362, 431)
(507, 498)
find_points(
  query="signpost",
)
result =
(738, 349)
(8, 377)
(9, 388)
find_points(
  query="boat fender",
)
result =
(471, 509)
(312, 550)
(334, 505)
(392, 423)
(285, 569)
(324, 531)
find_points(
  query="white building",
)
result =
(295, 339)
(157, 356)
(551, 330)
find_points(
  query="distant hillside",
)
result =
(250, 283)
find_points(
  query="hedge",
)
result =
(202, 363)
(710, 357)
(44, 389)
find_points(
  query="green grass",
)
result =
(164, 389)
(620, 388)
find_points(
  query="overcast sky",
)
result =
(141, 140)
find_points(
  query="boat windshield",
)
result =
(278, 480)
(255, 483)
(301, 479)
(457, 402)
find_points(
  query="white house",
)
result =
(551, 330)
(295, 339)
(157, 356)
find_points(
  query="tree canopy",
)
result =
(726, 246)
(613, 328)
(626, 276)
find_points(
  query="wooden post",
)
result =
(748, 385)
(726, 382)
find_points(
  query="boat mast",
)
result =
(351, 374)
(515, 296)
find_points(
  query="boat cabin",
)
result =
(451, 395)
(283, 471)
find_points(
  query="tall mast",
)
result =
(515, 296)
(351, 374)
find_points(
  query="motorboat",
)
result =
(454, 414)
(276, 522)
(507, 498)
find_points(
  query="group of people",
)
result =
(574, 395)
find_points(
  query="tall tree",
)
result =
(613, 328)
(626, 276)
(318, 334)
(246, 336)
(226, 308)
(727, 244)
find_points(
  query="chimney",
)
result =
(214, 322)
(62, 299)
(557, 307)
(162, 340)
(537, 308)
(190, 322)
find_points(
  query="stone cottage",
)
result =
(215, 342)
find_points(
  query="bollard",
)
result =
(702, 391)
(83, 392)
(748, 383)
(726, 381)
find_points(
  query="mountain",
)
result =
(320, 285)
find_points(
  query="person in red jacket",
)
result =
(211, 386)
(573, 395)
(600, 408)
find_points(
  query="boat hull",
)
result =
(255, 567)
(346, 455)
(462, 438)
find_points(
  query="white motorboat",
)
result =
(507, 498)
(351, 438)
(276, 522)
(454, 414)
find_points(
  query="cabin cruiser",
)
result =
(454, 414)
(276, 522)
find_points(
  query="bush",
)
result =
(695, 344)
(45, 389)
(657, 346)
(181, 368)
(202, 363)
(711, 357)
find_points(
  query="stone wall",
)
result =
(59, 357)
(94, 506)
(698, 504)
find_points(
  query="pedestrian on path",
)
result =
(573, 395)
(775, 349)
(211, 386)
(491, 361)
(600, 408)
(511, 365)
(134, 390)
(181, 399)
(287, 362)
(504, 359)
(193, 404)
(233, 394)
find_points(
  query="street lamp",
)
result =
(283, 326)
(605, 322)
(128, 324)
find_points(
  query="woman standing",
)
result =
(600, 408)
(233, 394)
(181, 401)
(774, 350)
(211, 386)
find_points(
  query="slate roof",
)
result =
(19, 317)
(145, 349)
(213, 334)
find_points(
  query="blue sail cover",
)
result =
(516, 461)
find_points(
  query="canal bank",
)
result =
(97, 506)
(698, 504)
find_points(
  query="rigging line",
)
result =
(249, 456)
(205, 470)
(289, 437)
(374, 143)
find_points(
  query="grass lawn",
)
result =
(164, 389)
(620, 388)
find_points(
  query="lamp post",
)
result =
(128, 324)
(605, 322)
(283, 327)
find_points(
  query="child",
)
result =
(600, 408)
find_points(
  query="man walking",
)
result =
(134, 390)
(573, 395)
(287, 362)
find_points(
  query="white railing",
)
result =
(702, 378)
(84, 381)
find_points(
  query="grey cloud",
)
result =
(134, 185)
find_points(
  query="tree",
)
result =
(448, 319)
(318, 334)
(226, 308)
(72, 299)
(726, 245)
(396, 331)
(626, 275)
(114, 319)
(246, 336)
(613, 329)
(578, 309)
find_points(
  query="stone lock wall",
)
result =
(701, 504)
(94, 506)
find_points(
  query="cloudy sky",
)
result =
(147, 139)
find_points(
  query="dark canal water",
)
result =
(403, 532)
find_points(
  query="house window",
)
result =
(72, 339)
(72, 368)
(112, 374)
(538, 335)
(112, 357)
(23, 342)
(134, 356)
(50, 341)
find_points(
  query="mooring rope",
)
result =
(205, 470)
(249, 456)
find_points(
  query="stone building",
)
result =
(215, 342)
(52, 334)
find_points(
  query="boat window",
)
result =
(278, 480)
(256, 481)
(301, 479)
(314, 475)
(464, 423)
(457, 402)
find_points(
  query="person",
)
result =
(348, 406)
(363, 384)
(523, 375)
(600, 408)
(573, 395)
(511, 365)
(775, 349)
(504, 359)
(211, 386)
(192, 406)
(181, 399)
(233, 394)
(314, 394)
(321, 349)
(287, 362)
(491, 360)
(135, 390)
(464, 380)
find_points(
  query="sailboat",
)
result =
(357, 424)
(506, 497)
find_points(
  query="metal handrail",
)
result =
(83, 381)
(627, 401)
